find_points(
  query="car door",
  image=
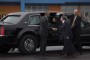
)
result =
(34, 22)
(85, 32)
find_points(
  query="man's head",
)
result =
(63, 18)
(76, 11)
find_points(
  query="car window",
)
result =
(84, 24)
(34, 20)
(11, 19)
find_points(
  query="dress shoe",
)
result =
(43, 54)
(61, 54)
(74, 55)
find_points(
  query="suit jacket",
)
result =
(66, 29)
(77, 26)
(44, 26)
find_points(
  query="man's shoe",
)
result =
(43, 54)
(66, 56)
(80, 53)
(61, 54)
(74, 55)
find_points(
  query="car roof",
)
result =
(35, 13)
(24, 13)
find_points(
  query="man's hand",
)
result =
(54, 29)
(67, 37)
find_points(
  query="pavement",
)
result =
(52, 51)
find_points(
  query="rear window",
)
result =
(14, 19)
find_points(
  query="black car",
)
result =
(21, 30)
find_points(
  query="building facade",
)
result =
(7, 6)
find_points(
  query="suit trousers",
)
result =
(43, 44)
(69, 48)
(77, 41)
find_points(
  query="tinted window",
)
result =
(84, 24)
(34, 20)
(11, 19)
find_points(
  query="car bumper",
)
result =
(4, 39)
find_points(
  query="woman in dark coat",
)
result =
(52, 26)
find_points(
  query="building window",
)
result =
(36, 8)
(68, 9)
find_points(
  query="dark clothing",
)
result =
(59, 31)
(65, 29)
(43, 34)
(52, 33)
(76, 30)
(69, 48)
(77, 25)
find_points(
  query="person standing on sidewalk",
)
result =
(76, 29)
(69, 49)
(43, 33)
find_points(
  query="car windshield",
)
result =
(13, 19)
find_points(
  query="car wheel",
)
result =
(4, 50)
(28, 44)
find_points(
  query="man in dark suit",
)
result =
(43, 33)
(76, 29)
(69, 49)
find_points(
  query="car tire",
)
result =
(28, 44)
(4, 50)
